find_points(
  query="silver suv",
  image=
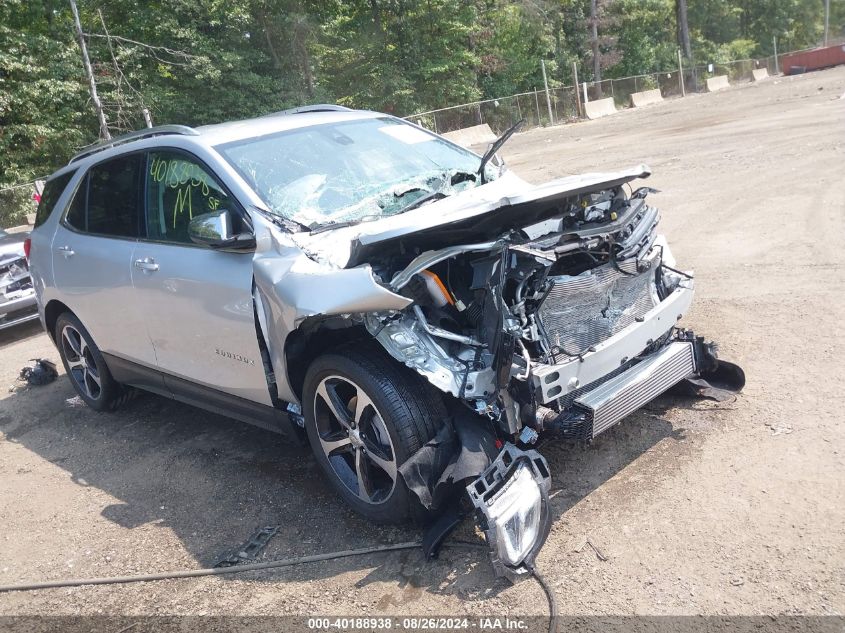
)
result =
(417, 313)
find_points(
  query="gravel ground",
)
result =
(698, 507)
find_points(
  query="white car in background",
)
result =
(17, 296)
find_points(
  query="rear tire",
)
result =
(85, 366)
(365, 415)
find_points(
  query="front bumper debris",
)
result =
(511, 498)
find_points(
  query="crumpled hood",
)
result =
(504, 203)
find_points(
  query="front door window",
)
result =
(179, 189)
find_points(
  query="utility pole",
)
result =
(92, 86)
(826, 19)
(548, 99)
(576, 86)
(775, 45)
(147, 118)
(681, 74)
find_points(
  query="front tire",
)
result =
(85, 366)
(365, 416)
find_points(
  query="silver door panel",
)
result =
(95, 279)
(198, 310)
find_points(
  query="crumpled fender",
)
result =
(291, 287)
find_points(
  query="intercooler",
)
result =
(608, 403)
(581, 311)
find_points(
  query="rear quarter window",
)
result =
(53, 190)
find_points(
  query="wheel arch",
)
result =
(52, 311)
(313, 338)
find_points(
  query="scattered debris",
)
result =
(250, 549)
(42, 372)
(599, 554)
(737, 582)
(74, 402)
(779, 428)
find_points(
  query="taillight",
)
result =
(27, 247)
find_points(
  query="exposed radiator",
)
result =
(583, 310)
(611, 401)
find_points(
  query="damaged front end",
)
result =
(562, 325)
(548, 313)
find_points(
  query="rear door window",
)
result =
(108, 200)
(114, 197)
(53, 190)
(76, 211)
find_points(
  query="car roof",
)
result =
(216, 134)
(274, 123)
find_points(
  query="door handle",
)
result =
(67, 251)
(147, 264)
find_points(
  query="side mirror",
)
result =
(215, 231)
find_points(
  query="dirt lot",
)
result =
(699, 508)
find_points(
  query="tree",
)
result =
(594, 40)
(195, 62)
(683, 28)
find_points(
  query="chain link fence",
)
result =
(563, 101)
(501, 113)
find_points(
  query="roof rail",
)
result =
(317, 107)
(149, 132)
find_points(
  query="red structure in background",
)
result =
(818, 58)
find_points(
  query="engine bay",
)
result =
(486, 316)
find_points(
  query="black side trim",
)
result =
(140, 376)
(169, 386)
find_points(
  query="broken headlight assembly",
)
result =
(511, 498)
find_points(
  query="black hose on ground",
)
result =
(550, 595)
(273, 564)
(215, 571)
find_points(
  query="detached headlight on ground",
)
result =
(515, 514)
(512, 499)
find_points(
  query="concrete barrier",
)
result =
(475, 135)
(719, 82)
(759, 74)
(599, 108)
(646, 97)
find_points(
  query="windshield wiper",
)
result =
(288, 224)
(431, 195)
(496, 146)
(328, 226)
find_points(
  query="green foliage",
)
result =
(197, 62)
(513, 42)
(399, 56)
(646, 39)
(43, 110)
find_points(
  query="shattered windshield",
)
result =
(352, 171)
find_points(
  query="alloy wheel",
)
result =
(80, 362)
(354, 439)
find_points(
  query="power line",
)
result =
(30, 183)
